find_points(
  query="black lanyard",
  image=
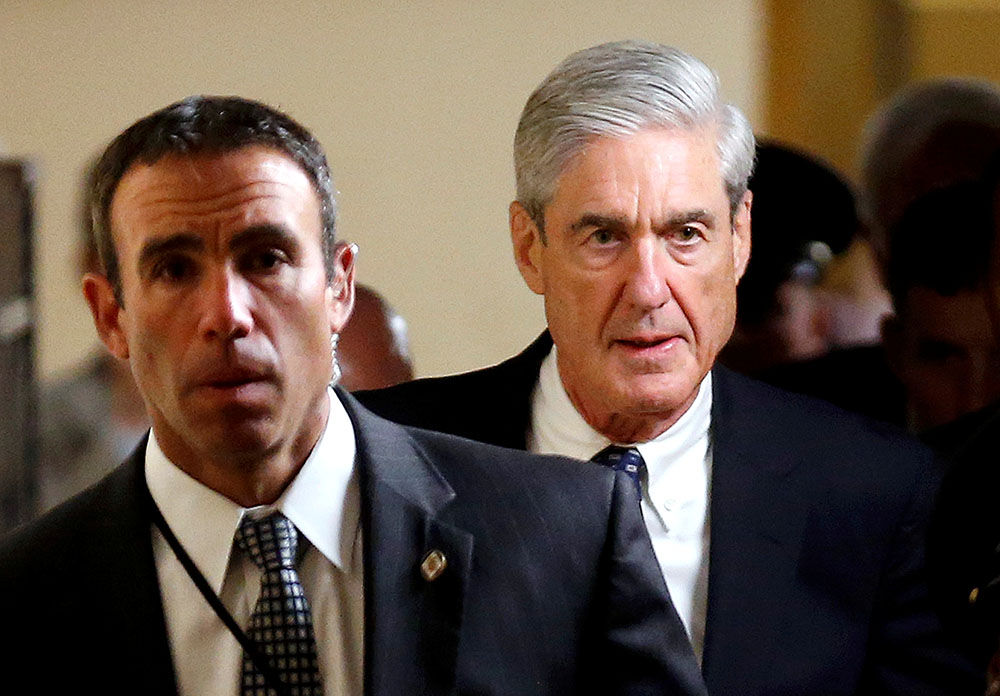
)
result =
(260, 661)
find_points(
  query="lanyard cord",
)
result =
(259, 659)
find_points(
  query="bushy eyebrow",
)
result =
(277, 235)
(595, 220)
(705, 217)
(191, 243)
(616, 223)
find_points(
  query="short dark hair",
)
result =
(925, 251)
(205, 124)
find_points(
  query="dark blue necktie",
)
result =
(625, 459)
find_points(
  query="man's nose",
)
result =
(646, 285)
(226, 300)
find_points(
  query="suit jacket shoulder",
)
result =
(965, 532)
(80, 584)
(491, 405)
(821, 516)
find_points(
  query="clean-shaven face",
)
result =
(227, 311)
(639, 273)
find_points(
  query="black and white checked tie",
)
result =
(281, 625)
(625, 459)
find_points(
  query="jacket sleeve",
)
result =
(644, 648)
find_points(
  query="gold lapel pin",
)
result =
(433, 565)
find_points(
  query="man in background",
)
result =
(940, 340)
(783, 313)
(790, 534)
(374, 348)
(931, 135)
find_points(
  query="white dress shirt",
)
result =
(675, 493)
(324, 503)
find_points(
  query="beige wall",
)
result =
(416, 103)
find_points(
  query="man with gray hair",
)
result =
(790, 534)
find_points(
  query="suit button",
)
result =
(974, 595)
(433, 565)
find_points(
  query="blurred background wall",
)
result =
(416, 103)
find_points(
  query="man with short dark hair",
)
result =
(271, 536)
(789, 533)
(940, 341)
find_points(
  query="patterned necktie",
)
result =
(281, 625)
(625, 459)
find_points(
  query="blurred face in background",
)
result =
(943, 349)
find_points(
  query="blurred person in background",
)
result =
(798, 298)
(930, 135)
(964, 544)
(91, 419)
(940, 340)
(782, 311)
(374, 347)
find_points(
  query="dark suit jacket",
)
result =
(964, 549)
(550, 588)
(816, 566)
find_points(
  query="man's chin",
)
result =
(238, 435)
(657, 395)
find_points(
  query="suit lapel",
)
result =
(412, 624)
(756, 522)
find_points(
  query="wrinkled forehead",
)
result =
(656, 156)
(184, 187)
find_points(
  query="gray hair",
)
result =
(916, 128)
(615, 90)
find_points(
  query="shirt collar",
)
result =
(557, 427)
(323, 502)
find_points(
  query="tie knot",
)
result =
(625, 459)
(272, 541)
(619, 458)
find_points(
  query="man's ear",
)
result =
(106, 311)
(527, 241)
(340, 290)
(741, 235)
